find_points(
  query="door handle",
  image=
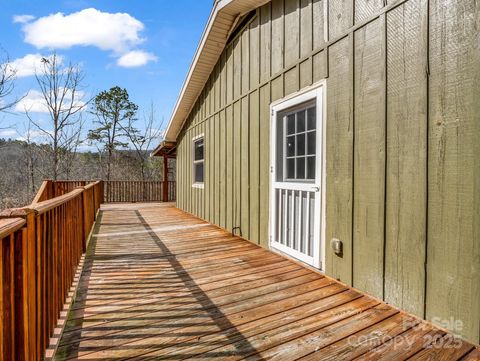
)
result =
(316, 189)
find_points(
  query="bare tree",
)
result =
(30, 158)
(61, 89)
(142, 140)
(8, 75)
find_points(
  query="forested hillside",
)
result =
(23, 167)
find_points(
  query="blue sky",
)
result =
(145, 46)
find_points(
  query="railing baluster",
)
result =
(139, 191)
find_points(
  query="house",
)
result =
(343, 134)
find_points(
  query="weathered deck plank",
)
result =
(161, 284)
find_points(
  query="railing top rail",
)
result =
(45, 206)
(41, 191)
(9, 226)
(135, 181)
(91, 185)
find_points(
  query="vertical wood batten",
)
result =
(369, 169)
(264, 168)
(340, 127)
(245, 168)
(278, 34)
(340, 17)
(406, 156)
(237, 162)
(266, 42)
(292, 31)
(254, 169)
(229, 167)
(222, 173)
(453, 254)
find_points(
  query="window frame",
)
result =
(294, 110)
(196, 139)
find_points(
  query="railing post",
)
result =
(85, 227)
(165, 179)
(102, 192)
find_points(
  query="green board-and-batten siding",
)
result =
(403, 155)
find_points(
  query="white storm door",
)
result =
(297, 163)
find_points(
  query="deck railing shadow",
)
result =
(172, 306)
(216, 314)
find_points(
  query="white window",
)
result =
(198, 161)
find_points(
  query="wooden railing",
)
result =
(51, 189)
(139, 191)
(115, 191)
(40, 248)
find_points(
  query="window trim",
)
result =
(195, 184)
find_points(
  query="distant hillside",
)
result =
(23, 167)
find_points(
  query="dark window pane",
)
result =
(199, 149)
(199, 172)
(291, 146)
(301, 121)
(311, 142)
(290, 168)
(312, 118)
(291, 124)
(300, 168)
(301, 144)
(311, 168)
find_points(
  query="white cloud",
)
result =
(135, 58)
(8, 133)
(22, 19)
(29, 64)
(34, 102)
(36, 136)
(117, 32)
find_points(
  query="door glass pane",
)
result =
(301, 144)
(291, 168)
(301, 168)
(291, 146)
(295, 143)
(291, 124)
(312, 118)
(311, 168)
(311, 142)
(301, 121)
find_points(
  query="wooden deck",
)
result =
(161, 284)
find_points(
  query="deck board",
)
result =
(159, 283)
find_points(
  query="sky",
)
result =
(145, 46)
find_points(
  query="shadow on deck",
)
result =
(161, 284)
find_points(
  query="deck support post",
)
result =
(165, 179)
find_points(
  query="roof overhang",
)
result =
(221, 23)
(165, 149)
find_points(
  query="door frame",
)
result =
(317, 91)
